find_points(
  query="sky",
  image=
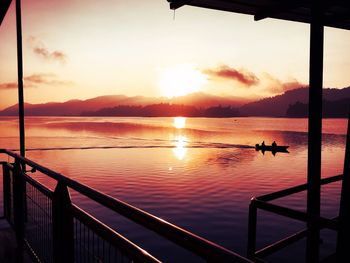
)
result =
(76, 49)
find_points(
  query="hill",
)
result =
(117, 105)
(330, 109)
(165, 110)
(77, 107)
(277, 106)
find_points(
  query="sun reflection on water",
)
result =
(180, 149)
(179, 122)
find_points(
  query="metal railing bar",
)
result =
(6, 190)
(252, 225)
(40, 187)
(38, 206)
(280, 210)
(262, 203)
(31, 251)
(8, 208)
(295, 214)
(111, 235)
(9, 165)
(331, 179)
(296, 189)
(198, 245)
(270, 249)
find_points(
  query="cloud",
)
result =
(275, 86)
(35, 80)
(250, 84)
(10, 85)
(46, 79)
(244, 77)
(39, 49)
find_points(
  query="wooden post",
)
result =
(6, 191)
(62, 225)
(252, 230)
(20, 77)
(315, 130)
(344, 212)
(18, 207)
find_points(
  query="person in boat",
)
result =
(263, 144)
(274, 144)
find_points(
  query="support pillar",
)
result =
(62, 225)
(20, 77)
(344, 212)
(315, 130)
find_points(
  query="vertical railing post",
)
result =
(20, 77)
(252, 229)
(344, 213)
(315, 130)
(62, 225)
(6, 191)
(18, 206)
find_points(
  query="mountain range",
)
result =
(276, 106)
(77, 107)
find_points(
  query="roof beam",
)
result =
(4, 6)
(330, 18)
(277, 8)
(336, 13)
(223, 5)
(177, 4)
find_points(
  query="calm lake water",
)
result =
(197, 173)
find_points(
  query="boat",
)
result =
(271, 148)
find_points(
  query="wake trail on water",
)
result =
(194, 146)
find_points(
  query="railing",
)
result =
(262, 203)
(339, 224)
(53, 229)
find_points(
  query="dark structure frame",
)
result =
(318, 13)
(48, 223)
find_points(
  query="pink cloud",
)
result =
(39, 49)
(244, 77)
(35, 80)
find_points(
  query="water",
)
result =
(197, 173)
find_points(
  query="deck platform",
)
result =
(8, 246)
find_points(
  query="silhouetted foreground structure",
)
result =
(319, 13)
(51, 226)
(54, 229)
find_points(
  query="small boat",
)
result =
(271, 148)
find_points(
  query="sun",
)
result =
(180, 80)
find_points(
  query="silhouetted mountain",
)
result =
(165, 110)
(297, 110)
(277, 106)
(77, 107)
(200, 99)
(120, 105)
(331, 109)
(220, 112)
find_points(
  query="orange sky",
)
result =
(82, 49)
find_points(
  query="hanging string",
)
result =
(174, 15)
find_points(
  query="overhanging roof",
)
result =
(336, 12)
(4, 6)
